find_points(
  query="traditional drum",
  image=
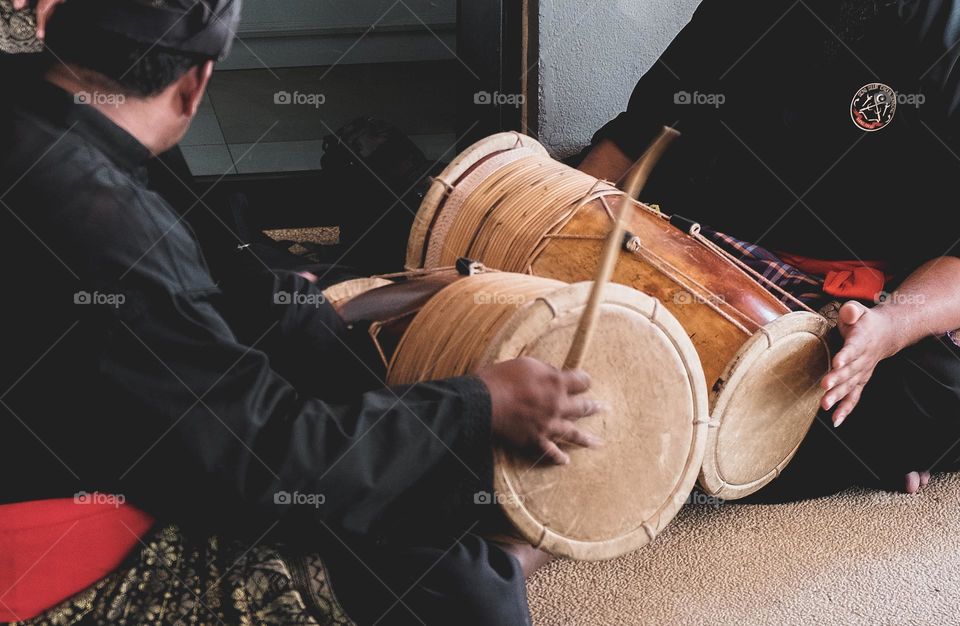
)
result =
(609, 500)
(506, 203)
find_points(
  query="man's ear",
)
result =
(192, 86)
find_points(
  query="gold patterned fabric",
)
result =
(175, 581)
(17, 30)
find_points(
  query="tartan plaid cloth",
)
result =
(804, 287)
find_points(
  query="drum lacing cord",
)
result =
(506, 216)
(418, 272)
(693, 286)
(711, 422)
(650, 530)
(763, 280)
(449, 187)
(514, 212)
(635, 246)
(463, 266)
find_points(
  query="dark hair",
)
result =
(123, 65)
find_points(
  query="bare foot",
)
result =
(531, 559)
(915, 481)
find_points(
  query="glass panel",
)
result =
(301, 69)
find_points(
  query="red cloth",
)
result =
(51, 550)
(852, 280)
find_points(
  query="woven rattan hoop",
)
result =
(451, 174)
(760, 380)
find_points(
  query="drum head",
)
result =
(614, 499)
(764, 404)
(439, 190)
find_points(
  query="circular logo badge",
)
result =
(873, 106)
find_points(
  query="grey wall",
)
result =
(591, 54)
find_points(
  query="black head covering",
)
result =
(202, 27)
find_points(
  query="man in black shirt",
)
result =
(828, 130)
(124, 373)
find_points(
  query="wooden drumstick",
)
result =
(633, 185)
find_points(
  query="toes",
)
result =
(924, 479)
(912, 482)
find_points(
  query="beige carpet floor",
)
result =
(861, 557)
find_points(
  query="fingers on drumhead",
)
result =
(576, 381)
(583, 439)
(577, 407)
(553, 453)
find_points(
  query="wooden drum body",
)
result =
(610, 500)
(506, 204)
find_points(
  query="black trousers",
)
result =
(908, 419)
(468, 582)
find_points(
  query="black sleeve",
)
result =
(235, 441)
(289, 319)
(693, 62)
(198, 425)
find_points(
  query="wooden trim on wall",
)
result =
(530, 70)
(494, 42)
